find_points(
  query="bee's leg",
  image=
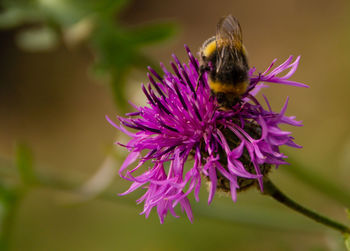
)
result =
(202, 69)
(239, 101)
(221, 98)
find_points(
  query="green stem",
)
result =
(271, 190)
(9, 208)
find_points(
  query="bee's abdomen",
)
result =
(236, 89)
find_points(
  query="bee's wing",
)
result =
(229, 29)
(228, 37)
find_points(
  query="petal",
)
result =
(132, 157)
(213, 183)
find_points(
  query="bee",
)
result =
(223, 57)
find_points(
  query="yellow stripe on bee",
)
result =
(209, 48)
(237, 89)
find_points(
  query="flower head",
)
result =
(231, 149)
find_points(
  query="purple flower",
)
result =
(232, 149)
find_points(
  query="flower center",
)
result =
(254, 131)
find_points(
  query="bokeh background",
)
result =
(66, 64)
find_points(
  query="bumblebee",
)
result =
(223, 57)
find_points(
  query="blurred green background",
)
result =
(66, 64)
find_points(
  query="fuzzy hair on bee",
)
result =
(223, 57)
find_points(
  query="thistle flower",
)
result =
(232, 150)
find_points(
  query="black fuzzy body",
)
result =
(233, 71)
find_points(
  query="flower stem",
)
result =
(9, 201)
(271, 190)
